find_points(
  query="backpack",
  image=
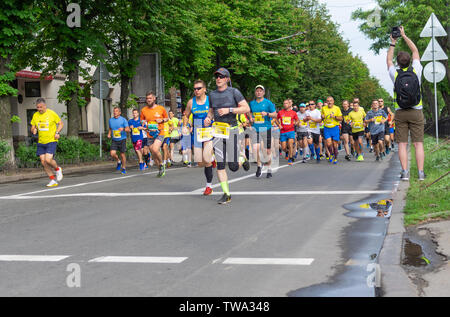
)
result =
(407, 88)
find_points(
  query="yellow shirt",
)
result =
(357, 120)
(46, 125)
(327, 112)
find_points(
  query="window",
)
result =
(33, 89)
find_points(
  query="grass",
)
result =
(426, 201)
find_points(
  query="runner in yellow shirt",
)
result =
(356, 118)
(332, 116)
(49, 125)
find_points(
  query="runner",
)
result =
(199, 107)
(287, 120)
(376, 119)
(118, 128)
(137, 136)
(331, 116)
(262, 110)
(186, 141)
(391, 117)
(346, 130)
(356, 118)
(387, 138)
(174, 134)
(302, 131)
(48, 125)
(166, 143)
(314, 118)
(323, 148)
(155, 116)
(225, 103)
(145, 149)
(242, 123)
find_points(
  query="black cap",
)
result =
(223, 71)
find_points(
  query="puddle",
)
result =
(414, 255)
(381, 208)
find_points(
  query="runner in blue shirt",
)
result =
(137, 136)
(118, 128)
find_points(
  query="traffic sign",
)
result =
(105, 73)
(433, 28)
(439, 53)
(439, 72)
(103, 86)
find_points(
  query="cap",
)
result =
(223, 71)
(302, 105)
(320, 100)
(260, 86)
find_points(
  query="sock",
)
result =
(336, 151)
(225, 188)
(317, 152)
(52, 177)
(247, 152)
(311, 149)
(57, 169)
(209, 175)
(305, 150)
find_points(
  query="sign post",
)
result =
(433, 53)
(100, 91)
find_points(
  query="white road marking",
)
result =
(138, 259)
(195, 193)
(269, 261)
(33, 258)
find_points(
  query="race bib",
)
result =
(117, 134)
(221, 130)
(258, 117)
(312, 125)
(204, 134)
(357, 125)
(152, 126)
(378, 119)
(287, 120)
(43, 126)
(303, 123)
(136, 131)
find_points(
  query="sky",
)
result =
(341, 11)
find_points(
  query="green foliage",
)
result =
(26, 154)
(4, 150)
(70, 88)
(76, 148)
(15, 119)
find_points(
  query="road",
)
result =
(104, 234)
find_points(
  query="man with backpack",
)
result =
(408, 103)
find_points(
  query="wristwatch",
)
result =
(231, 110)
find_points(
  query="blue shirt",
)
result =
(376, 127)
(199, 112)
(136, 134)
(115, 125)
(257, 107)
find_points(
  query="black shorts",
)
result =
(315, 137)
(357, 135)
(366, 130)
(377, 137)
(144, 142)
(302, 135)
(174, 140)
(322, 132)
(265, 136)
(119, 145)
(346, 129)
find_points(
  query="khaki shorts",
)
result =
(411, 120)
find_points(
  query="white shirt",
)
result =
(315, 114)
(417, 67)
(303, 125)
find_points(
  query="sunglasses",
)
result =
(312, 104)
(220, 76)
(198, 88)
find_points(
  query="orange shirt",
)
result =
(152, 114)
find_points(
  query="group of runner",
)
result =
(222, 129)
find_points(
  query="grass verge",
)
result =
(429, 199)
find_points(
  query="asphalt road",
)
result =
(104, 234)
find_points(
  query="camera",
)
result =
(396, 32)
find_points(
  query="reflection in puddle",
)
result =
(414, 255)
(381, 209)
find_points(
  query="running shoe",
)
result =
(141, 166)
(246, 165)
(422, 175)
(208, 191)
(383, 154)
(123, 171)
(258, 171)
(335, 161)
(404, 175)
(59, 174)
(304, 160)
(169, 164)
(330, 159)
(225, 199)
(318, 160)
(347, 157)
(290, 162)
(295, 156)
(152, 163)
(52, 183)
(162, 171)
(371, 150)
(360, 158)
(377, 158)
(119, 166)
(269, 173)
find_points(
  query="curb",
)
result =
(66, 170)
(394, 280)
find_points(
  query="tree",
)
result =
(413, 15)
(18, 17)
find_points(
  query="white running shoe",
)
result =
(52, 183)
(59, 175)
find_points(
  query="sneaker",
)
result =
(388, 151)
(318, 160)
(52, 183)
(208, 191)
(162, 171)
(383, 154)
(347, 157)
(246, 165)
(123, 171)
(360, 158)
(335, 161)
(269, 173)
(381, 158)
(59, 174)
(152, 163)
(189, 164)
(404, 175)
(258, 171)
(290, 162)
(119, 166)
(330, 159)
(422, 176)
(371, 150)
(304, 160)
(225, 199)
(377, 158)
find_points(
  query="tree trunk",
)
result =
(430, 100)
(5, 118)
(446, 97)
(183, 90)
(124, 94)
(73, 110)
(173, 99)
